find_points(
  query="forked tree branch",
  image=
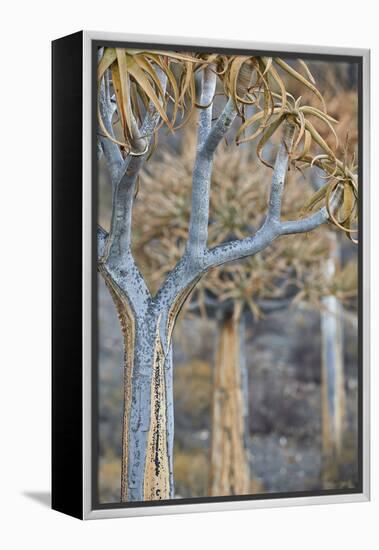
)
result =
(125, 275)
(240, 248)
(187, 270)
(119, 239)
(208, 138)
(115, 249)
(235, 250)
(272, 226)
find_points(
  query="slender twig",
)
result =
(305, 224)
(272, 226)
(279, 174)
(126, 275)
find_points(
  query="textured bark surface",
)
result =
(147, 321)
(229, 462)
(332, 375)
(127, 323)
(157, 468)
(148, 419)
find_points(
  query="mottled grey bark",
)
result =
(149, 409)
(148, 321)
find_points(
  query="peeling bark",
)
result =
(157, 469)
(148, 418)
(127, 322)
(229, 469)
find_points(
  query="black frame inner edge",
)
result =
(96, 505)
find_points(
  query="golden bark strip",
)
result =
(157, 471)
(127, 322)
(176, 307)
(229, 462)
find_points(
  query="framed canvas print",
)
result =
(210, 275)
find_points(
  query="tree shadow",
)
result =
(42, 497)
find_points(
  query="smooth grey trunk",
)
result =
(332, 372)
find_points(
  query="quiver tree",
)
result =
(290, 270)
(147, 90)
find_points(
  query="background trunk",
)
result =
(229, 473)
(332, 375)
